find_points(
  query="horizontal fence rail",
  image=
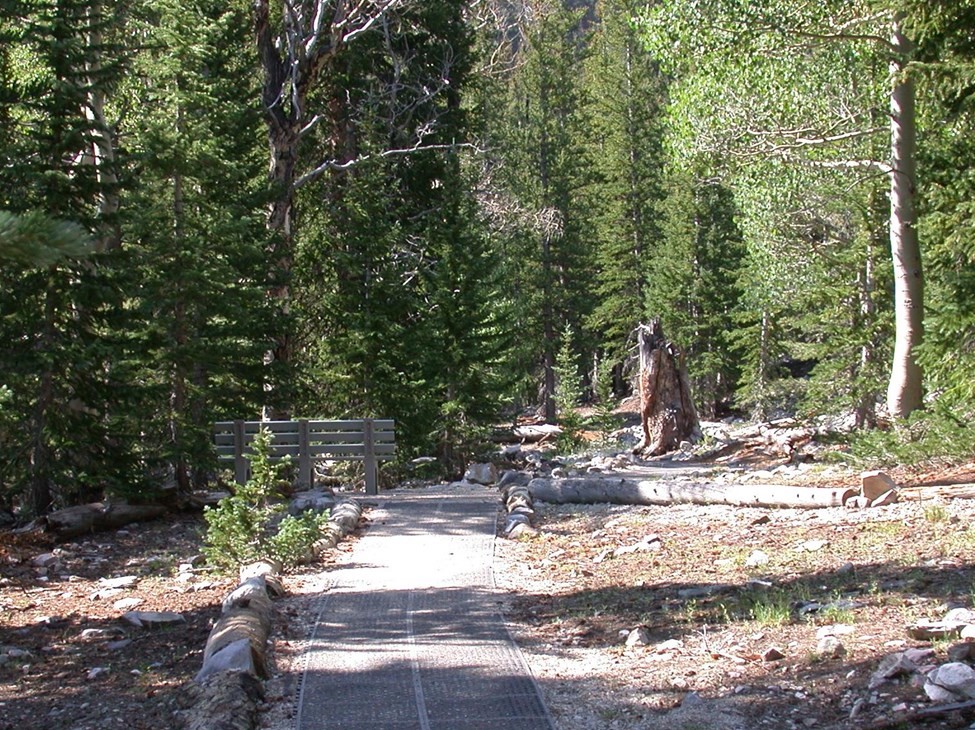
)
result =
(368, 440)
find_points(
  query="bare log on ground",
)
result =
(224, 701)
(88, 518)
(660, 492)
(667, 411)
(238, 641)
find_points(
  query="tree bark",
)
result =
(904, 392)
(660, 492)
(667, 411)
(86, 519)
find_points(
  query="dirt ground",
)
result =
(711, 606)
(735, 603)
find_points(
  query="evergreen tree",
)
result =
(65, 436)
(693, 282)
(626, 94)
(195, 225)
(945, 67)
(398, 290)
(545, 172)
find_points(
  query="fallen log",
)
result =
(85, 519)
(593, 490)
(238, 641)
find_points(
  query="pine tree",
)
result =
(543, 140)
(693, 282)
(64, 440)
(196, 230)
(398, 292)
(626, 94)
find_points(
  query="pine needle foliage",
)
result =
(244, 527)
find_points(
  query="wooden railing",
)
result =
(368, 440)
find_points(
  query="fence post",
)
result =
(369, 457)
(304, 456)
(240, 463)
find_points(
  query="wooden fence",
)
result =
(368, 440)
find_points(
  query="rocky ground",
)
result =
(714, 616)
(631, 617)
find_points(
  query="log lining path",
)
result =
(410, 636)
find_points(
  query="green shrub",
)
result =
(241, 528)
(930, 434)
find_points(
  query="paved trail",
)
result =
(410, 636)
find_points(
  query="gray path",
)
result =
(410, 636)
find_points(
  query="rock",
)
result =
(125, 581)
(875, 483)
(756, 559)
(481, 474)
(45, 560)
(888, 497)
(829, 647)
(151, 619)
(939, 694)
(968, 633)
(956, 678)
(963, 652)
(857, 502)
(118, 645)
(126, 603)
(928, 630)
(892, 666)
(960, 615)
(812, 546)
(772, 654)
(834, 630)
(97, 673)
(639, 636)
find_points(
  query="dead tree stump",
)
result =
(667, 411)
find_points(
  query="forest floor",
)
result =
(593, 573)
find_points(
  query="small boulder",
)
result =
(151, 619)
(950, 682)
(481, 474)
(639, 636)
(875, 483)
(772, 654)
(829, 647)
(888, 497)
(756, 559)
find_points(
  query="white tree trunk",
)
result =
(904, 392)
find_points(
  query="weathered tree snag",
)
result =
(88, 518)
(661, 492)
(667, 411)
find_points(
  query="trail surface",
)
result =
(410, 635)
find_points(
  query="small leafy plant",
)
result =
(241, 528)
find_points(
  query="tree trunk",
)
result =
(88, 518)
(283, 143)
(904, 392)
(597, 490)
(667, 411)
